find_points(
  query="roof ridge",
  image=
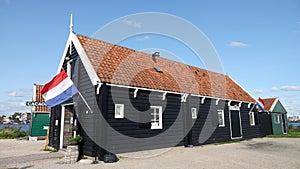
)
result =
(271, 98)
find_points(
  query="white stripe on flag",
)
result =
(62, 86)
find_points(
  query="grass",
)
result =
(294, 134)
(12, 133)
(50, 150)
(232, 141)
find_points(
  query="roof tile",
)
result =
(268, 103)
(39, 98)
(120, 65)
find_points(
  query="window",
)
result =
(221, 118)
(194, 113)
(156, 121)
(252, 119)
(276, 119)
(119, 111)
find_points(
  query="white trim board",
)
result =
(62, 122)
(274, 104)
(165, 91)
(83, 56)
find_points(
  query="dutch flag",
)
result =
(261, 104)
(59, 89)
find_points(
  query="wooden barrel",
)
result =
(71, 154)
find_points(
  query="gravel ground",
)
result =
(256, 153)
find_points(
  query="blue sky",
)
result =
(258, 42)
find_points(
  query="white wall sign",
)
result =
(234, 108)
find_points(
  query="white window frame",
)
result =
(194, 113)
(69, 68)
(157, 111)
(276, 118)
(252, 119)
(221, 112)
(119, 111)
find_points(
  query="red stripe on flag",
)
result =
(54, 82)
(262, 101)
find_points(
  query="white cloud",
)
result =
(20, 93)
(143, 38)
(286, 88)
(132, 23)
(273, 89)
(12, 94)
(293, 108)
(290, 88)
(9, 107)
(258, 91)
(237, 44)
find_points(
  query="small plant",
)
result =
(95, 162)
(84, 157)
(77, 138)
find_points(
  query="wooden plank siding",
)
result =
(138, 110)
(220, 134)
(207, 113)
(38, 121)
(248, 130)
(88, 121)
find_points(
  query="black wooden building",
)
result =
(131, 101)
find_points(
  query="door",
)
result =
(235, 123)
(66, 125)
(283, 123)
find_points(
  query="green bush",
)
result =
(12, 133)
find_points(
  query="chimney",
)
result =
(154, 55)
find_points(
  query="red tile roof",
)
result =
(268, 103)
(39, 98)
(119, 65)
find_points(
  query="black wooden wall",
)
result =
(207, 113)
(265, 124)
(134, 130)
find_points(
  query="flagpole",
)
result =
(85, 101)
(253, 107)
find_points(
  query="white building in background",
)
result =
(293, 117)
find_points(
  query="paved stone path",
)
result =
(27, 158)
(14, 151)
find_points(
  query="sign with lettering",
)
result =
(35, 103)
(234, 108)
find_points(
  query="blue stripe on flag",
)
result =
(64, 96)
(261, 107)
